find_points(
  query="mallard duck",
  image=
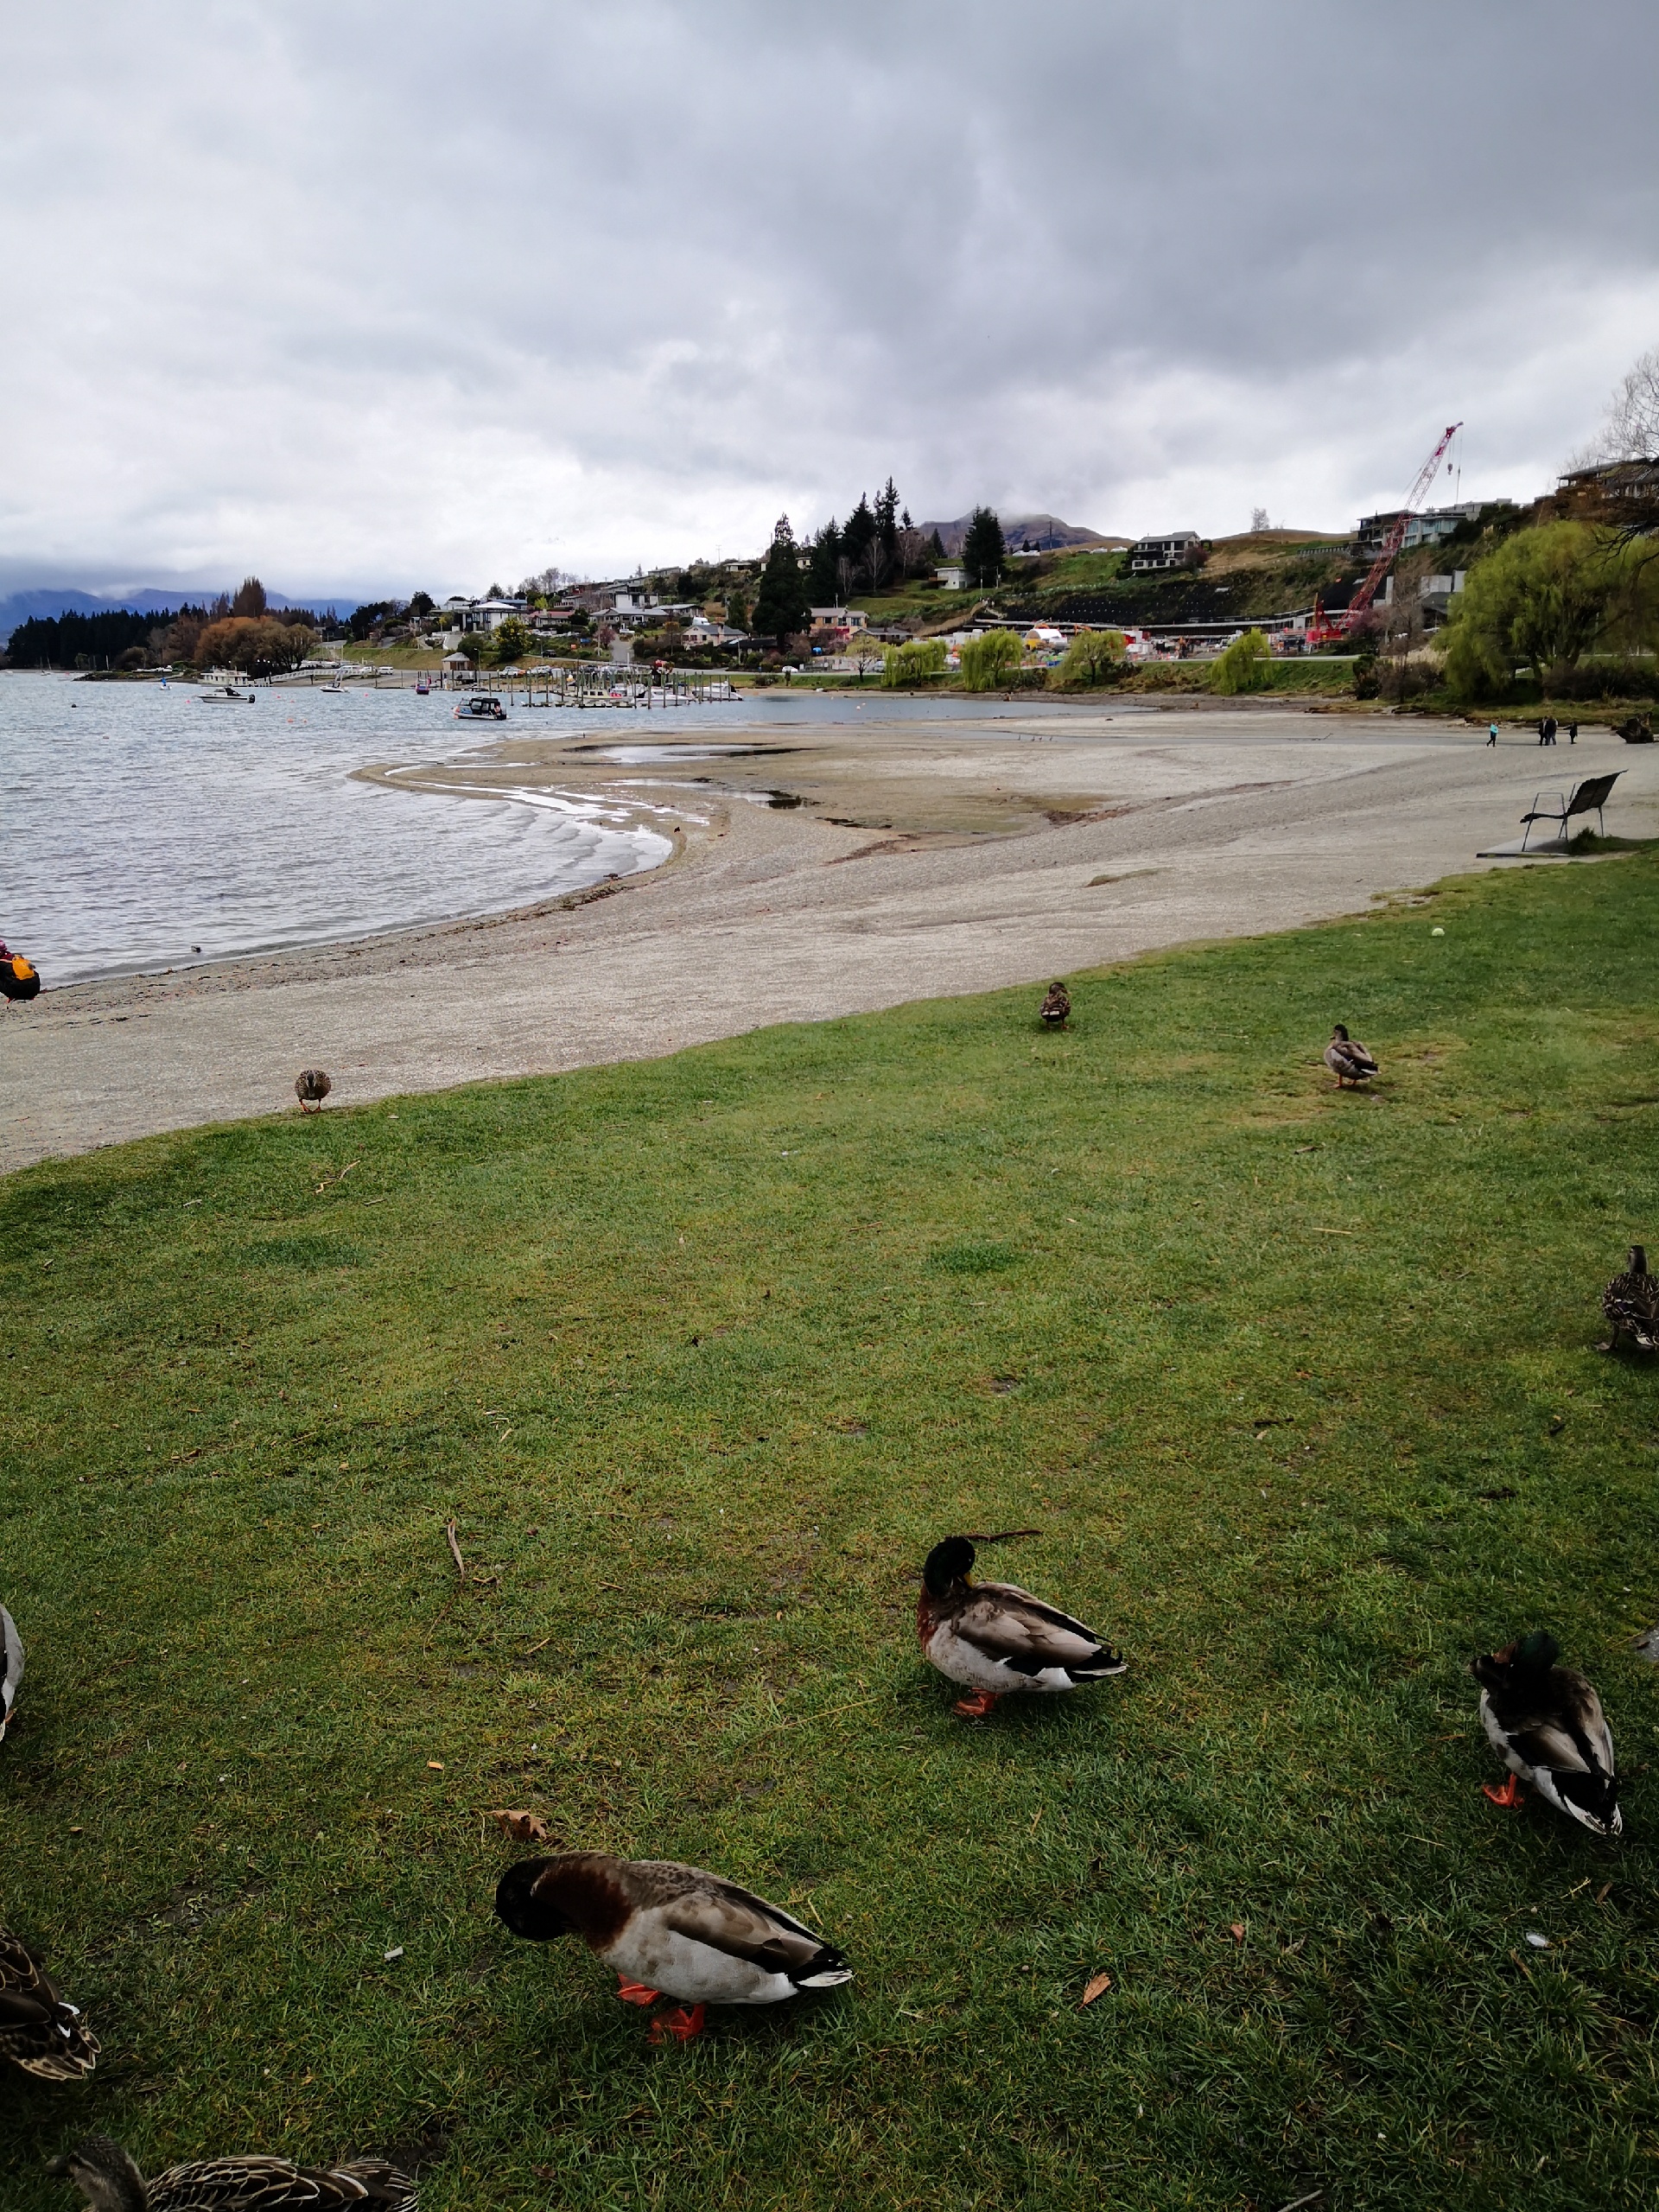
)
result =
(11, 1668)
(1630, 1302)
(38, 2030)
(311, 1087)
(110, 2180)
(669, 1930)
(1347, 1061)
(996, 1637)
(1056, 1007)
(1547, 1723)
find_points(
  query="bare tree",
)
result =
(1630, 430)
(1259, 519)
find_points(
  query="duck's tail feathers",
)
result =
(1592, 1800)
(828, 1970)
(1105, 1662)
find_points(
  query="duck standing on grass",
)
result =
(1547, 1723)
(38, 2030)
(996, 1637)
(1056, 1008)
(311, 1087)
(11, 1668)
(667, 1930)
(110, 2180)
(1630, 1302)
(1347, 1061)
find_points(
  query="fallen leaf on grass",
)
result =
(1098, 1986)
(1237, 1931)
(523, 1828)
(437, 1766)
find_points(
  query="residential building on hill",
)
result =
(1180, 548)
(1426, 528)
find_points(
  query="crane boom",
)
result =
(1396, 536)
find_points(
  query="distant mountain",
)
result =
(50, 601)
(1046, 532)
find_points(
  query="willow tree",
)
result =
(1544, 599)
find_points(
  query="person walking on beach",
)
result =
(1572, 732)
(1492, 732)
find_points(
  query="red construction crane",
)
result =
(1325, 627)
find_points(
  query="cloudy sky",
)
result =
(372, 298)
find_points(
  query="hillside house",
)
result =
(1180, 548)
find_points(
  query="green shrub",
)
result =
(1093, 657)
(1243, 666)
(989, 659)
(913, 663)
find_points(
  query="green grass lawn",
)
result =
(700, 1355)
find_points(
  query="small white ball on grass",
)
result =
(1436, 931)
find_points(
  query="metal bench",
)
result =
(1587, 798)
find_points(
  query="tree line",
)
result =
(242, 630)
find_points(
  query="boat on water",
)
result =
(483, 706)
(335, 686)
(227, 696)
(423, 688)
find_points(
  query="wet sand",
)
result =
(827, 871)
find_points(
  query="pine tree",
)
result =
(983, 549)
(822, 572)
(781, 604)
(887, 519)
(860, 533)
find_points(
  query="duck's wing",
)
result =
(254, 2184)
(38, 2030)
(1569, 1743)
(710, 1911)
(1014, 1630)
(12, 1666)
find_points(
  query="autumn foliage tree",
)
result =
(255, 645)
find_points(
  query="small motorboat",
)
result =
(483, 706)
(423, 688)
(227, 696)
(335, 686)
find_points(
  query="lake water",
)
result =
(138, 825)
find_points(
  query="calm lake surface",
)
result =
(138, 825)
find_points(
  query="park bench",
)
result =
(1587, 798)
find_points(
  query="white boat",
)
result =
(227, 696)
(482, 707)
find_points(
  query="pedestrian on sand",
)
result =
(1572, 732)
(1492, 732)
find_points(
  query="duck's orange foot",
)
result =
(681, 2023)
(1509, 1797)
(635, 1992)
(981, 1703)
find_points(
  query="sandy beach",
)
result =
(818, 871)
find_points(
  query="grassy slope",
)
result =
(702, 1354)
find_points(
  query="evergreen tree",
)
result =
(860, 533)
(781, 604)
(935, 546)
(822, 572)
(886, 520)
(983, 549)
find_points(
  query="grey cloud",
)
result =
(376, 298)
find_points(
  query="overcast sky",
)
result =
(373, 298)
